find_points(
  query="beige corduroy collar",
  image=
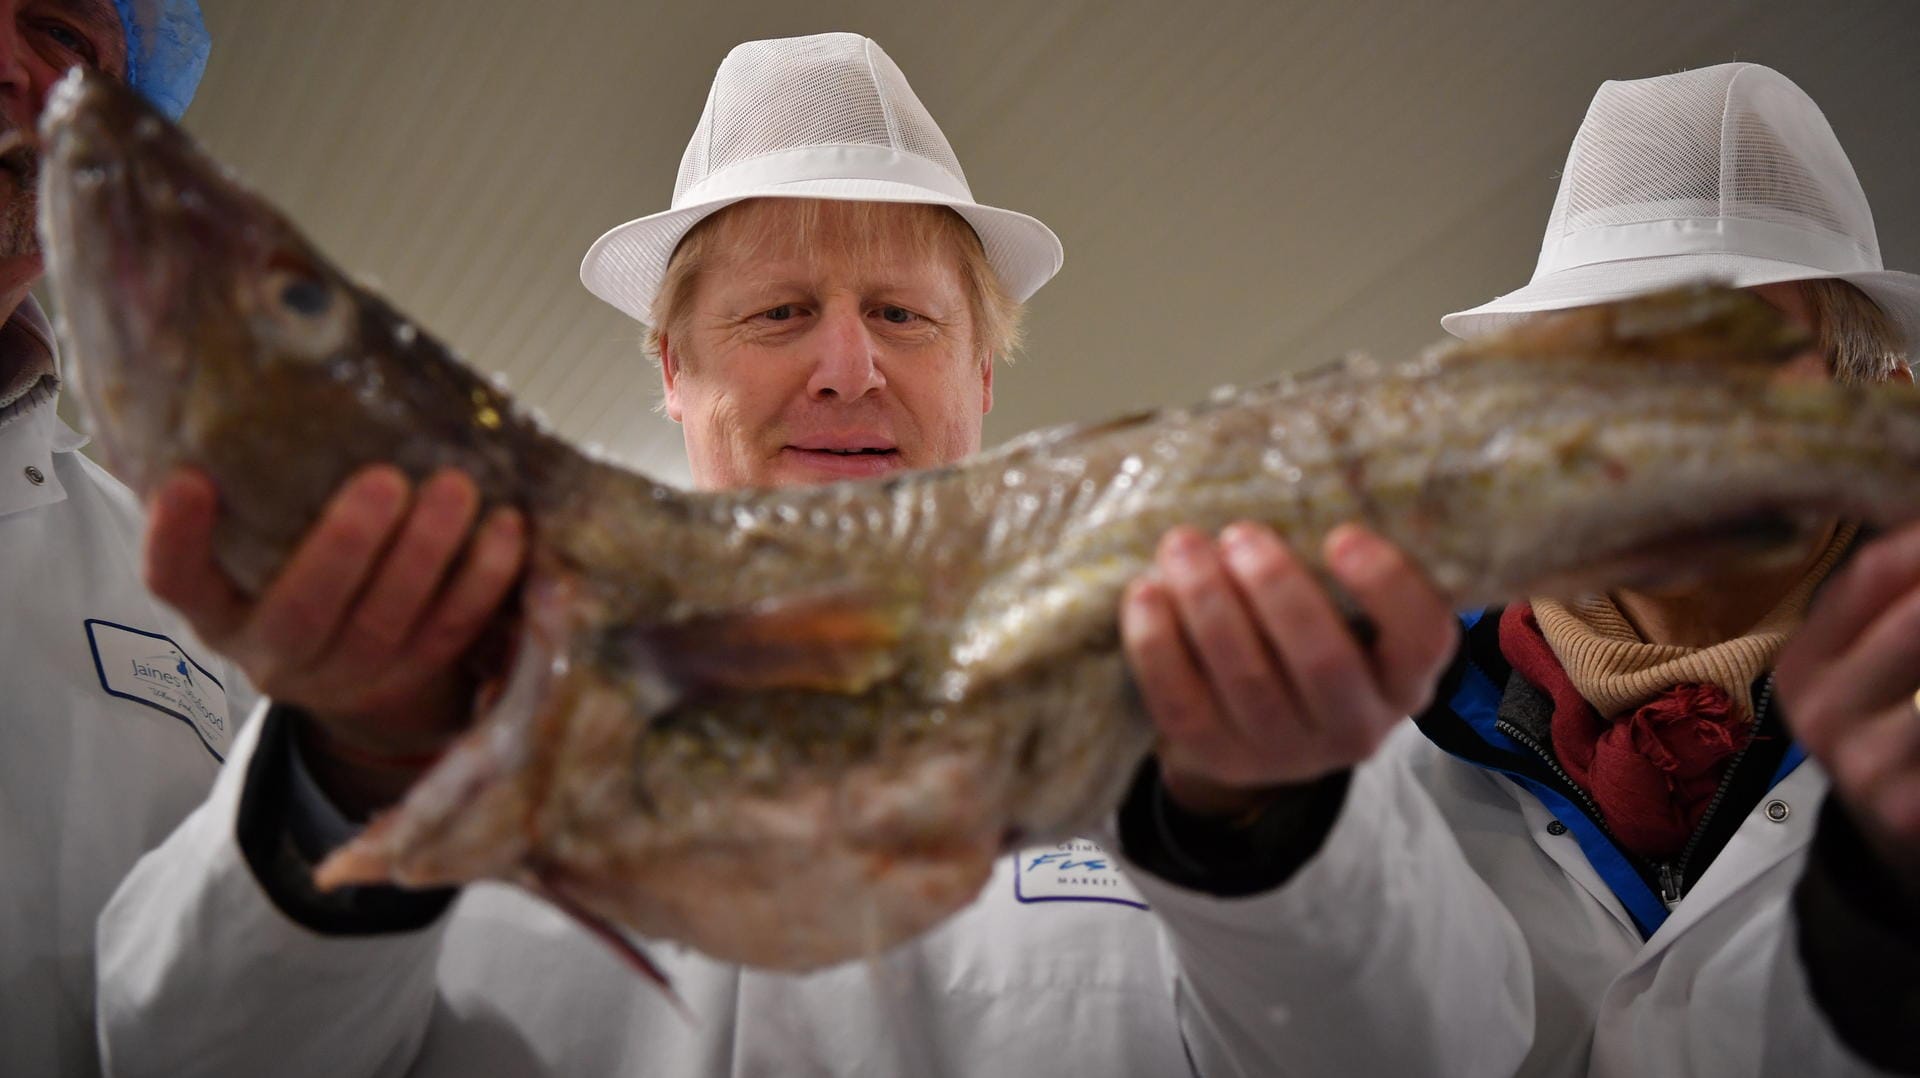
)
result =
(1615, 670)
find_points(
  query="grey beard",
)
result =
(19, 226)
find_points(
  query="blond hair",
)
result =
(930, 232)
(1860, 342)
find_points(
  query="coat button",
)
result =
(1778, 810)
(35, 475)
(1556, 828)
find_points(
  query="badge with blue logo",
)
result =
(1072, 871)
(151, 669)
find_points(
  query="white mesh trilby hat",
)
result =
(1729, 173)
(827, 116)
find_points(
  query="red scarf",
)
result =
(1653, 770)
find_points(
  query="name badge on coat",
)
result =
(1073, 871)
(151, 669)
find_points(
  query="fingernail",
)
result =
(502, 523)
(1353, 551)
(452, 492)
(1184, 546)
(169, 498)
(1247, 547)
(383, 486)
(389, 499)
(1134, 608)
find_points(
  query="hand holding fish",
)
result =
(1252, 678)
(364, 627)
(1847, 682)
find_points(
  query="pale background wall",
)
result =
(1242, 187)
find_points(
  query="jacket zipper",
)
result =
(1673, 874)
(1566, 781)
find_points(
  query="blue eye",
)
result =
(780, 313)
(899, 316)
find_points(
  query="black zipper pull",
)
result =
(1670, 886)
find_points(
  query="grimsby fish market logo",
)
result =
(1067, 862)
(168, 670)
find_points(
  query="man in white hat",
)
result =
(1709, 835)
(826, 299)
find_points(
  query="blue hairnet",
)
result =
(167, 46)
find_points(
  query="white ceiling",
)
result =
(1242, 187)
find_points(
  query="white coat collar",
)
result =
(27, 446)
(1778, 827)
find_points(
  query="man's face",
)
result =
(39, 41)
(804, 362)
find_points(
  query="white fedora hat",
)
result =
(827, 116)
(1729, 173)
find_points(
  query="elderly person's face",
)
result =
(39, 41)
(842, 350)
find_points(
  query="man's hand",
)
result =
(365, 624)
(1250, 672)
(1847, 681)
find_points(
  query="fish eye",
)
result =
(305, 295)
(302, 309)
(297, 286)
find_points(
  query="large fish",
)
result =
(793, 727)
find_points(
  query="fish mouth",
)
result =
(130, 204)
(93, 222)
(115, 264)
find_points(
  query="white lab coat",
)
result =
(1388, 953)
(114, 721)
(1332, 974)
(1718, 989)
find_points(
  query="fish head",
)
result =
(183, 299)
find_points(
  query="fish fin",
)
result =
(365, 860)
(547, 884)
(468, 817)
(832, 642)
(1039, 441)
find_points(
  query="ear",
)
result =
(1902, 374)
(669, 379)
(986, 384)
